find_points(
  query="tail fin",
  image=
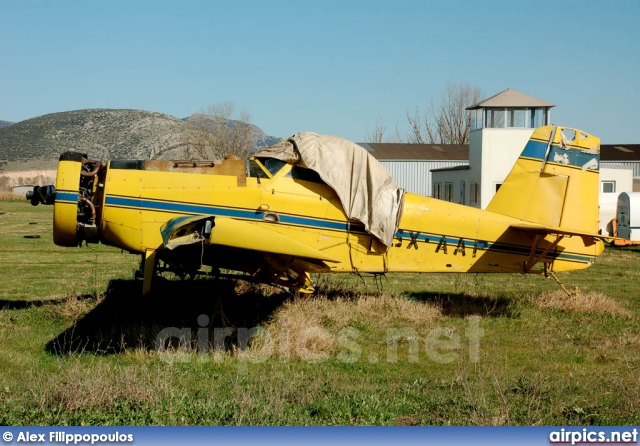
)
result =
(555, 181)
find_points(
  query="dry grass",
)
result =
(310, 328)
(341, 312)
(9, 195)
(75, 389)
(612, 257)
(584, 302)
(624, 340)
(72, 307)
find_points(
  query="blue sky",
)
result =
(327, 66)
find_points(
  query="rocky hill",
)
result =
(101, 133)
(4, 124)
(262, 140)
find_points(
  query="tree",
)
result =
(377, 134)
(214, 133)
(447, 122)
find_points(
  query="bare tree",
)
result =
(380, 134)
(215, 133)
(447, 122)
(377, 134)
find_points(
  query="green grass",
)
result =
(77, 344)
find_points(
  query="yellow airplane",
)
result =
(315, 204)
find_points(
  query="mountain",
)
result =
(4, 124)
(262, 140)
(101, 133)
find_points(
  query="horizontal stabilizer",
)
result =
(545, 230)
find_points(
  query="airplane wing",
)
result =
(238, 234)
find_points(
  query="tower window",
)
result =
(516, 117)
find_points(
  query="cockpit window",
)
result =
(300, 173)
(256, 170)
(258, 166)
(273, 165)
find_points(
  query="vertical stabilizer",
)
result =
(555, 181)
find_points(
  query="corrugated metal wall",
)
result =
(634, 164)
(415, 176)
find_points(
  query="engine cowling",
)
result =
(74, 213)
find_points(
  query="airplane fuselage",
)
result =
(434, 235)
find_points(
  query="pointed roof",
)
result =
(511, 98)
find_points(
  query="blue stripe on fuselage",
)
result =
(66, 196)
(570, 157)
(195, 209)
(408, 236)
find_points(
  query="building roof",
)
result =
(402, 151)
(460, 152)
(620, 152)
(511, 98)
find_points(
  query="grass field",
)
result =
(78, 345)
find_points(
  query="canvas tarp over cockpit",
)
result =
(365, 188)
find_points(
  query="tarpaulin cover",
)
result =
(365, 188)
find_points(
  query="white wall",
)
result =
(623, 177)
(455, 177)
(492, 154)
(635, 165)
(499, 148)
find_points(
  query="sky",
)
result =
(328, 66)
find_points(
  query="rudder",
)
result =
(555, 181)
